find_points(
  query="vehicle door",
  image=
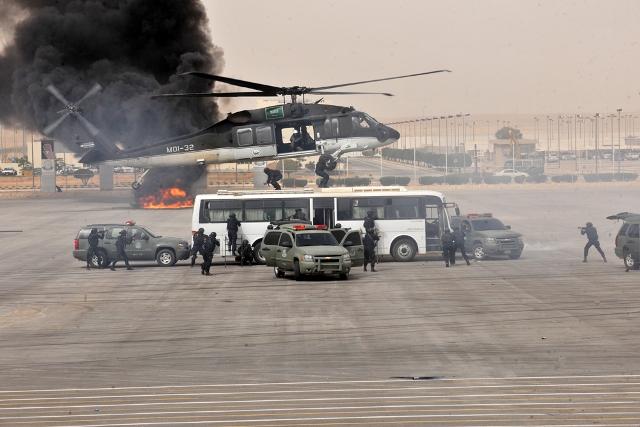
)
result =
(142, 246)
(285, 251)
(633, 239)
(435, 222)
(269, 246)
(465, 226)
(109, 241)
(352, 242)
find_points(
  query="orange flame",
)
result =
(169, 198)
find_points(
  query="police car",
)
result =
(487, 235)
(146, 245)
(306, 249)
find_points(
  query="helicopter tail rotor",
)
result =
(105, 148)
(72, 109)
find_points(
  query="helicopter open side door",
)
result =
(254, 142)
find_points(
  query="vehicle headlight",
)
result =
(519, 239)
(183, 245)
(346, 257)
(307, 258)
(489, 240)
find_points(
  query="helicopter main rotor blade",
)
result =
(242, 83)
(379, 80)
(55, 92)
(320, 92)
(96, 88)
(88, 126)
(213, 95)
(52, 126)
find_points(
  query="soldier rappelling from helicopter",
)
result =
(325, 163)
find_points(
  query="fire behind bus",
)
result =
(409, 222)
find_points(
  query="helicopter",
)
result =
(247, 135)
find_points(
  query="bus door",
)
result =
(323, 211)
(435, 222)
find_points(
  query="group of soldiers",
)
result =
(325, 163)
(205, 246)
(121, 242)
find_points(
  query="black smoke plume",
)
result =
(133, 48)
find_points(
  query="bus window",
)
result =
(290, 206)
(363, 205)
(344, 209)
(262, 210)
(402, 208)
(218, 211)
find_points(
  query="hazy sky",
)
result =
(506, 57)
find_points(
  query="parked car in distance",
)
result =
(632, 156)
(9, 172)
(511, 172)
(307, 249)
(146, 246)
(553, 158)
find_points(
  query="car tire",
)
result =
(404, 250)
(166, 258)
(344, 276)
(296, 270)
(99, 260)
(629, 261)
(279, 273)
(257, 257)
(515, 255)
(478, 252)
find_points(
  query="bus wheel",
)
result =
(257, 257)
(404, 250)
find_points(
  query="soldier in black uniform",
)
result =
(93, 239)
(198, 243)
(245, 252)
(458, 238)
(273, 176)
(370, 241)
(448, 247)
(299, 215)
(370, 221)
(232, 231)
(325, 163)
(121, 243)
(209, 247)
(592, 235)
(296, 140)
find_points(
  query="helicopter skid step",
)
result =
(294, 154)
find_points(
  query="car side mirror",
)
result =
(348, 243)
(508, 227)
(145, 237)
(287, 245)
(457, 211)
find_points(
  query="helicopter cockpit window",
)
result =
(245, 137)
(359, 122)
(263, 133)
(373, 122)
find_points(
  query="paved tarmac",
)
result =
(543, 340)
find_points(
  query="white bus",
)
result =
(409, 222)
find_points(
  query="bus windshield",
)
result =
(315, 239)
(488, 224)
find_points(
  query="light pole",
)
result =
(613, 157)
(439, 135)
(446, 156)
(619, 110)
(596, 141)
